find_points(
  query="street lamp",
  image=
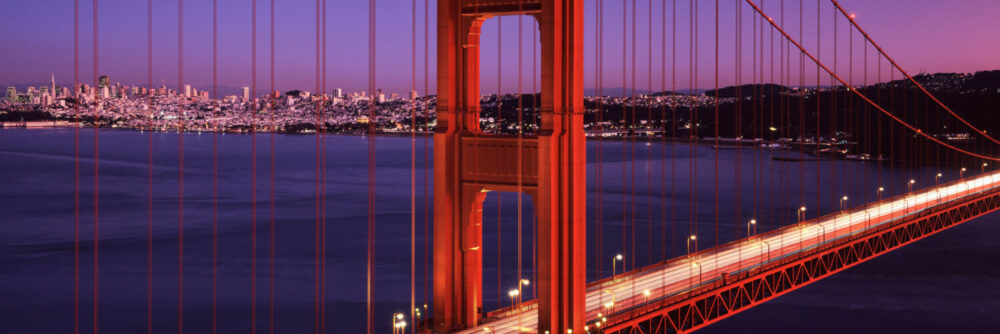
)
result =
(397, 323)
(878, 194)
(868, 219)
(646, 293)
(802, 214)
(752, 222)
(609, 305)
(842, 201)
(961, 172)
(984, 168)
(824, 231)
(936, 178)
(513, 293)
(694, 264)
(614, 262)
(690, 239)
(909, 186)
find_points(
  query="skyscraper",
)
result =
(104, 81)
(338, 92)
(246, 93)
(11, 93)
(413, 95)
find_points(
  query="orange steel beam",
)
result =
(468, 163)
(728, 295)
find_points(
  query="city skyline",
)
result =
(122, 43)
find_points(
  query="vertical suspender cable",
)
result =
(534, 106)
(371, 167)
(149, 171)
(271, 105)
(649, 146)
(253, 173)
(673, 128)
(180, 170)
(520, 133)
(663, 136)
(663, 133)
(716, 125)
(816, 134)
(413, 164)
(427, 169)
(598, 127)
(215, 163)
(631, 257)
(632, 134)
(96, 175)
(476, 164)
(76, 167)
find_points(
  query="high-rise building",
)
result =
(380, 98)
(43, 91)
(11, 93)
(413, 95)
(246, 93)
(338, 92)
(53, 85)
(187, 90)
(393, 96)
(104, 81)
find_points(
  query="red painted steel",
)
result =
(729, 295)
(552, 166)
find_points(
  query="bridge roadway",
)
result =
(680, 275)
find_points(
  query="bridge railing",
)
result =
(727, 279)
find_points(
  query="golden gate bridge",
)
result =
(668, 294)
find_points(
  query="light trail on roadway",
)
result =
(684, 274)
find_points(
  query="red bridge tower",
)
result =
(468, 163)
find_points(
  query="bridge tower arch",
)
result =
(552, 166)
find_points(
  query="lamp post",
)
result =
(694, 264)
(983, 169)
(878, 194)
(868, 219)
(765, 243)
(843, 200)
(646, 293)
(690, 239)
(752, 222)
(614, 265)
(397, 323)
(909, 186)
(513, 293)
(961, 172)
(416, 321)
(802, 214)
(936, 178)
(610, 305)
(520, 293)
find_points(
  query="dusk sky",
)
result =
(922, 35)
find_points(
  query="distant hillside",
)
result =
(748, 90)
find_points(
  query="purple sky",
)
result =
(923, 35)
